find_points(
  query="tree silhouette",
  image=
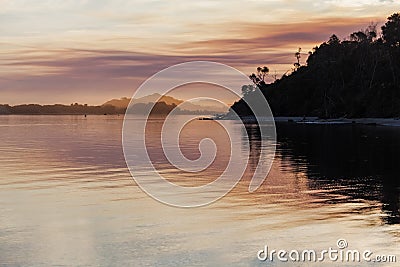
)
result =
(298, 56)
(259, 77)
(333, 40)
(358, 77)
(367, 35)
(391, 30)
(358, 37)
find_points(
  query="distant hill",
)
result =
(118, 103)
(211, 106)
(124, 102)
(200, 105)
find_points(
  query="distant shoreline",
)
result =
(62, 114)
(392, 122)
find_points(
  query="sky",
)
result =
(90, 51)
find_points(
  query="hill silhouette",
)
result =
(124, 102)
(353, 78)
(154, 104)
(199, 106)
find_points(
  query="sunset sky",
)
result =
(91, 51)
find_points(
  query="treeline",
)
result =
(58, 109)
(158, 108)
(357, 77)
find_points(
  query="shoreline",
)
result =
(393, 122)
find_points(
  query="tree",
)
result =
(333, 40)
(259, 77)
(367, 35)
(371, 32)
(298, 56)
(356, 78)
(358, 37)
(391, 30)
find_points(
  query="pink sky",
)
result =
(92, 51)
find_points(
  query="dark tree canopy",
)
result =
(259, 77)
(358, 77)
(391, 30)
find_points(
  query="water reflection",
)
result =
(67, 198)
(358, 162)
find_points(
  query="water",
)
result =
(67, 198)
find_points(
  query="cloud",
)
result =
(107, 54)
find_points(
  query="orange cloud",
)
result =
(93, 75)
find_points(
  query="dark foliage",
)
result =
(358, 77)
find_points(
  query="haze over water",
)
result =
(67, 197)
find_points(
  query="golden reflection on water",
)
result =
(67, 198)
(190, 136)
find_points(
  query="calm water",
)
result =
(67, 198)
